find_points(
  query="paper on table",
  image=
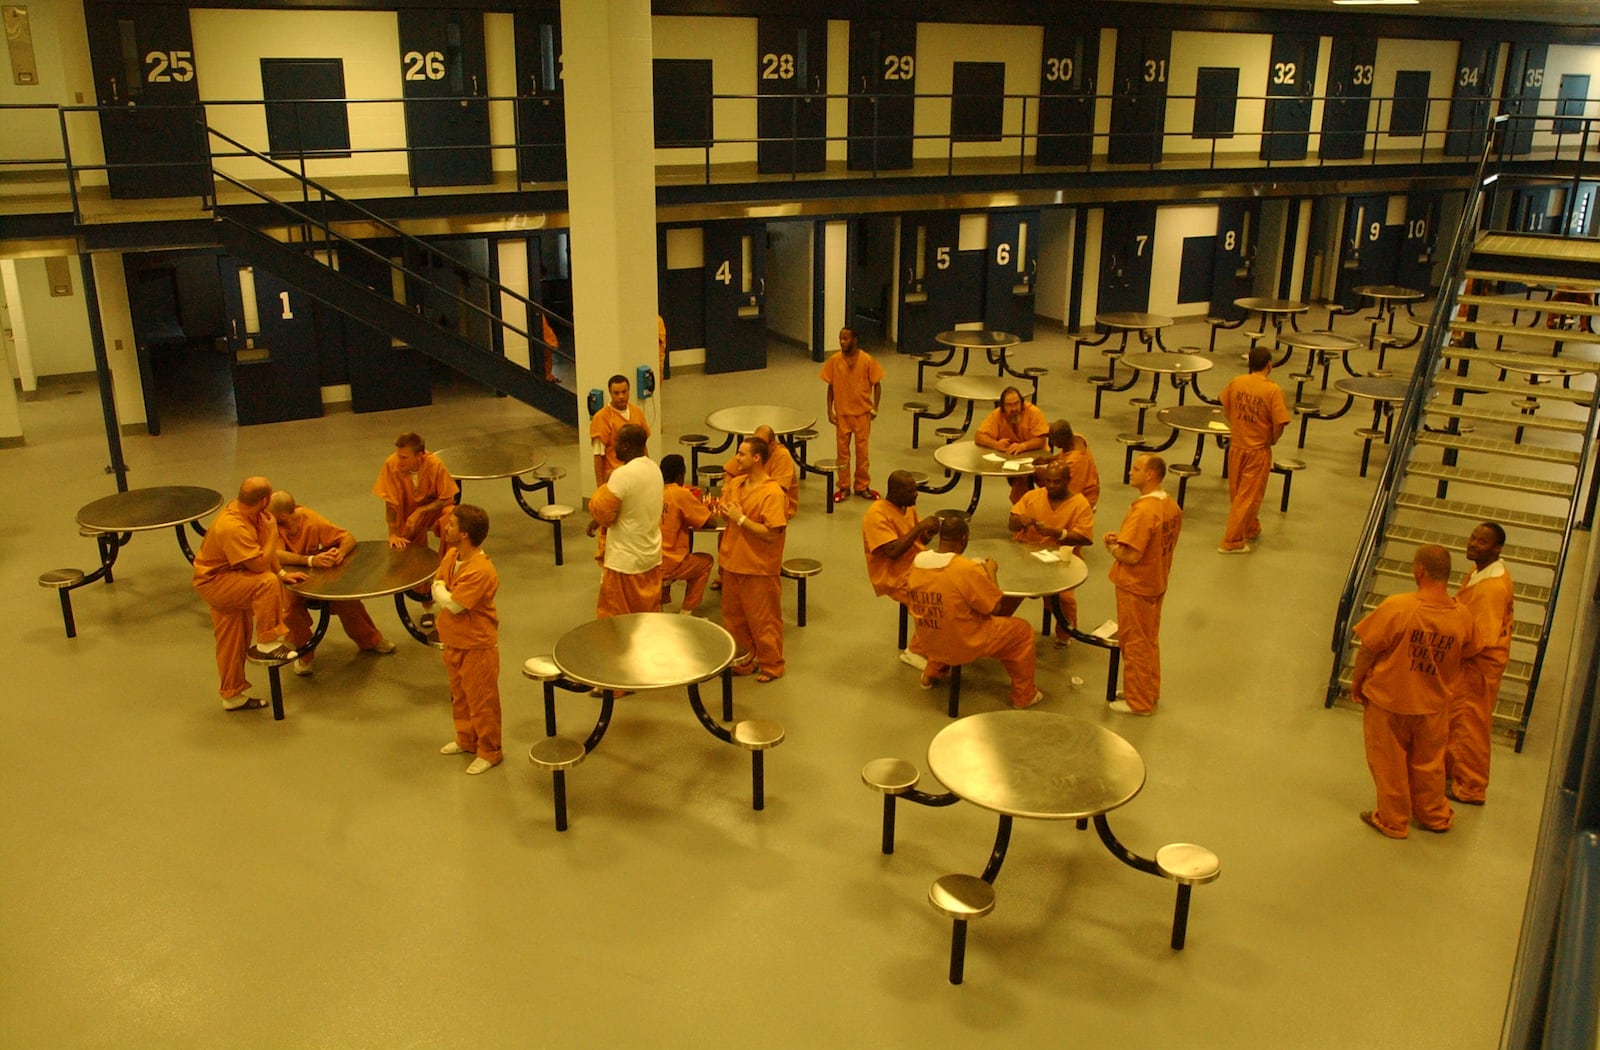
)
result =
(1047, 556)
(993, 457)
(1019, 464)
(1107, 630)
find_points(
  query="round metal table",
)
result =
(995, 344)
(115, 518)
(489, 460)
(1021, 575)
(1384, 393)
(1201, 420)
(372, 570)
(1324, 344)
(1275, 310)
(957, 389)
(966, 457)
(743, 419)
(1180, 370)
(1385, 297)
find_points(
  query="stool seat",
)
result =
(1285, 464)
(540, 669)
(694, 440)
(891, 776)
(1184, 470)
(1034, 371)
(1369, 433)
(950, 433)
(757, 735)
(804, 435)
(268, 661)
(61, 579)
(952, 512)
(962, 897)
(795, 568)
(827, 465)
(1142, 402)
(915, 406)
(712, 475)
(554, 511)
(1130, 438)
(84, 530)
(557, 752)
(1187, 863)
(946, 374)
(1307, 407)
(549, 473)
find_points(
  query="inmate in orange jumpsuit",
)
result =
(681, 513)
(1418, 648)
(1031, 429)
(752, 590)
(471, 640)
(237, 594)
(954, 599)
(406, 493)
(780, 468)
(629, 506)
(603, 429)
(1083, 471)
(310, 533)
(1487, 594)
(1073, 514)
(1151, 528)
(1256, 412)
(884, 523)
(852, 383)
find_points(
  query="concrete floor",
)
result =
(177, 876)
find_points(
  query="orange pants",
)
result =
(1139, 636)
(859, 428)
(628, 592)
(1466, 760)
(353, 617)
(237, 598)
(695, 568)
(1248, 472)
(1010, 641)
(1406, 756)
(475, 699)
(752, 611)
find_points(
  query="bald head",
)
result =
(765, 433)
(902, 489)
(953, 532)
(1432, 563)
(254, 491)
(282, 502)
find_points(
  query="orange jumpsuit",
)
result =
(603, 429)
(548, 334)
(954, 600)
(780, 468)
(853, 383)
(237, 594)
(752, 589)
(1419, 648)
(681, 514)
(1487, 594)
(471, 641)
(1074, 515)
(406, 493)
(1255, 409)
(1085, 475)
(884, 523)
(1032, 427)
(629, 506)
(1151, 529)
(309, 533)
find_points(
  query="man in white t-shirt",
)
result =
(628, 506)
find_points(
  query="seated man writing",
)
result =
(1054, 517)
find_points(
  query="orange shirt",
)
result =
(472, 583)
(1255, 408)
(1151, 528)
(1073, 514)
(953, 600)
(396, 488)
(1085, 475)
(237, 536)
(309, 533)
(603, 430)
(742, 552)
(996, 428)
(1488, 595)
(780, 468)
(680, 513)
(852, 382)
(1418, 647)
(884, 523)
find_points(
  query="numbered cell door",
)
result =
(1013, 265)
(883, 69)
(1233, 258)
(1344, 114)
(1290, 79)
(1468, 129)
(541, 95)
(1370, 252)
(736, 297)
(1066, 94)
(1520, 97)
(272, 340)
(928, 279)
(1127, 245)
(1139, 104)
(444, 80)
(792, 80)
(1414, 266)
(150, 123)
(384, 373)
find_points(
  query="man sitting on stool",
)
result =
(1053, 517)
(892, 536)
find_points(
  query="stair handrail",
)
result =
(326, 226)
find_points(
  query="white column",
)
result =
(116, 319)
(19, 326)
(10, 414)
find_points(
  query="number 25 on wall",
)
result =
(165, 67)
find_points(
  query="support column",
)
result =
(10, 413)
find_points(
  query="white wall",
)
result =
(789, 280)
(36, 135)
(58, 326)
(1251, 53)
(1438, 57)
(500, 70)
(1566, 59)
(1172, 226)
(731, 45)
(941, 45)
(1054, 283)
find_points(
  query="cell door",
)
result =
(1531, 209)
(1139, 105)
(384, 373)
(1370, 250)
(792, 78)
(1292, 75)
(928, 242)
(1344, 114)
(883, 71)
(541, 95)
(1066, 95)
(1520, 97)
(1013, 264)
(1414, 267)
(272, 340)
(1468, 129)
(444, 81)
(151, 127)
(736, 297)
(1233, 258)
(1127, 245)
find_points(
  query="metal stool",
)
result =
(695, 443)
(828, 468)
(1184, 472)
(962, 898)
(1034, 374)
(545, 478)
(1287, 467)
(798, 441)
(799, 569)
(892, 777)
(1143, 404)
(757, 737)
(554, 513)
(543, 670)
(558, 754)
(273, 666)
(62, 581)
(950, 434)
(1189, 866)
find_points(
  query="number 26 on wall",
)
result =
(421, 66)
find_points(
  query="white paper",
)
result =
(1019, 464)
(993, 457)
(1048, 557)
(1107, 630)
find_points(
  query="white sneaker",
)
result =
(452, 748)
(1038, 696)
(1121, 707)
(479, 765)
(911, 659)
(384, 647)
(692, 612)
(302, 667)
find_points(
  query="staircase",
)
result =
(1499, 425)
(302, 248)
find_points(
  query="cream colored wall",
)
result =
(789, 280)
(1105, 77)
(36, 135)
(939, 46)
(1566, 59)
(1251, 53)
(229, 46)
(1172, 226)
(1438, 57)
(116, 322)
(1054, 282)
(58, 326)
(838, 87)
(500, 70)
(512, 257)
(731, 45)
(835, 269)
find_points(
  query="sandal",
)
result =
(251, 703)
(841, 495)
(869, 494)
(767, 676)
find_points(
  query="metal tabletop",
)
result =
(371, 570)
(485, 461)
(1021, 575)
(1169, 364)
(1387, 293)
(644, 651)
(1328, 342)
(967, 457)
(1036, 764)
(1132, 320)
(1266, 305)
(1376, 389)
(972, 388)
(978, 340)
(743, 419)
(1200, 419)
(141, 510)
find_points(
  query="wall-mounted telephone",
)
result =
(644, 382)
(596, 400)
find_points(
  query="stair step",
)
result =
(1521, 630)
(1518, 360)
(1489, 479)
(1456, 543)
(1506, 516)
(1531, 278)
(1510, 419)
(1531, 593)
(1471, 442)
(1517, 302)
(1542, 391)
(1556, 335)
(1574, 252)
